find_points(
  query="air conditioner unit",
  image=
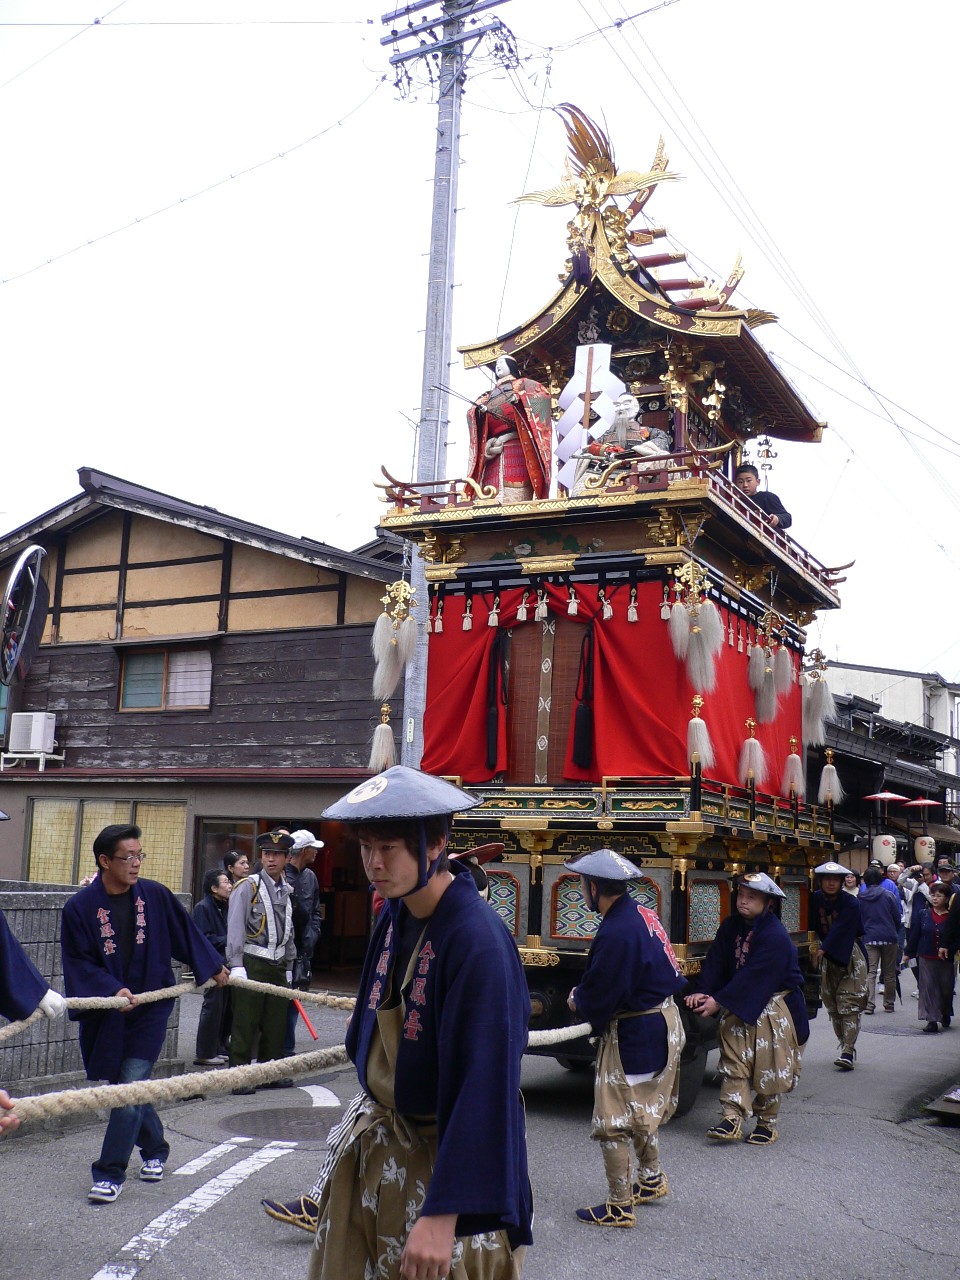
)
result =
(32, 731)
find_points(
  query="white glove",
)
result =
(238, 971)
(289, 977)
(53, 1004)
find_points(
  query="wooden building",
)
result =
(209, 678)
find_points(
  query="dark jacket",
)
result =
(837, 924)
(210, 917)
(771, 505)
(305, 901)
(881, 914)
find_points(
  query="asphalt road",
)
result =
(861, 1186)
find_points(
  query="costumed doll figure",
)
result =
(626, 993)
(842, 958)
(511, 436)
(751, 976)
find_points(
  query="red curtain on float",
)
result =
(641, 694)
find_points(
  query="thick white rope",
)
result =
(72, 1102)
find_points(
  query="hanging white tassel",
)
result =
(766, 697)
(438, 620)
(407, 638)
(540, 612)
(493, 617)
(753, 763)
(818, 707)
(632, 606)
(386, 675)
(680, 629)
(701, 661)
(522, 608)
(664, 608)
(830, 790)
(826, 707)
(607, 610)
(783, 669)
(711, 625)
(428, 625)
(791, 784)
(468, 616)
(756, 661)
(383, 637)
(730, 635)
(699, 746)
(573, 606)
(739, 638)
(383, 749)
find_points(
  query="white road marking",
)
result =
(321, 1097)
(208, 1157)
(156, 1235)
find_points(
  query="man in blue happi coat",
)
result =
(429, 1170)
(23, 989)
(626, 994)
(751, 976)
(118, 937)
(840, 952)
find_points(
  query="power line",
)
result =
(241, 173)
(97, 22)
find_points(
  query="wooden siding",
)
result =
(297, 699)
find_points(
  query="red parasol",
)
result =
(923, 803)
(886, 796)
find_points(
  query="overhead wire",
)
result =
(194, 195)
(89, 26)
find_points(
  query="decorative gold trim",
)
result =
(522, 825)
(538, 959)
(547, 564)
(442, 572)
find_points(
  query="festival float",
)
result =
(616, 633)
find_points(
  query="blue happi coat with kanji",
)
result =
(92, 967)
(631, 967)
(21, 985)
(464, 1033)
(748, 963)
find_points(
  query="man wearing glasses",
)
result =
(119, 936)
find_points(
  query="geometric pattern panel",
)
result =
(505, 898)
(572, 919)
(790, 908)
(705, 905)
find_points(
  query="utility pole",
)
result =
(441, 42)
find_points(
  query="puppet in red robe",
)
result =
(510, 436)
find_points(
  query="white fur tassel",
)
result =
(383, 750)
(766, 697)
(830, 788)
(818, 707)
(699, 744)
(753, 763)
(783, 669)
(701, 661)
(383, 637)
(711, 625)
(680, 629)
(792, 781)
(386, 675)
(756, 661)
(407, 638)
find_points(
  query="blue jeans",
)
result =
(129, 1127)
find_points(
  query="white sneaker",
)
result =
(151, 1171)
(104, 1192)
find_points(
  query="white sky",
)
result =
(257, 347)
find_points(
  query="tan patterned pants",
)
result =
(759, 1061)
(373, 1198)
(843, 990)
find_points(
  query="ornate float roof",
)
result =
(612, 293)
